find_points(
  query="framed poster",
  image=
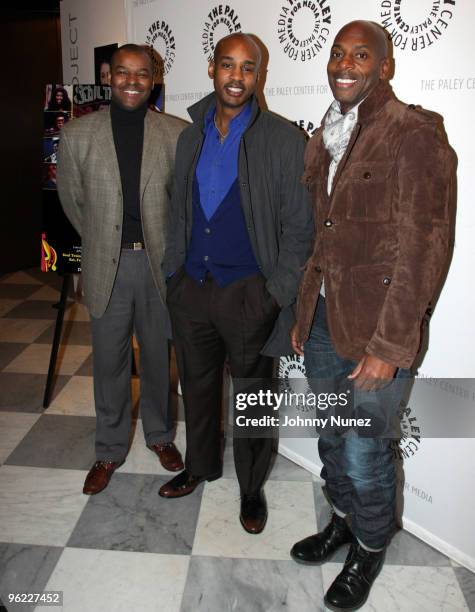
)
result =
(60, 243)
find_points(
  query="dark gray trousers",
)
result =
(209, 323)
(135, 306)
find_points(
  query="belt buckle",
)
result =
(137, 246)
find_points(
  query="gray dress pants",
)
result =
(135, 306)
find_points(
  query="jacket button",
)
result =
(328, 223)
(117, 227)
(367, 175)
(114, 260)
(207, 230)
(318, 269)
(386, 280)
(205, 258)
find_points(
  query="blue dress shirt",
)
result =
(217, 167)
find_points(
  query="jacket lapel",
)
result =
(105, 142)
(345, 157)
(151, 154)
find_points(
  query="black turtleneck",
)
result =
(128, 129)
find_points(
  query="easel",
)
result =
(61, 307)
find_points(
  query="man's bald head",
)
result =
(373, 32)
(359, 61)
(241, 37)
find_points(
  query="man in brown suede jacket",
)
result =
(382, 177)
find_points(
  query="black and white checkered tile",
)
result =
(127, 548)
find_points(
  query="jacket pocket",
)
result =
(370, 191)
(369, 286)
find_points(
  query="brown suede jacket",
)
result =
(382, 236)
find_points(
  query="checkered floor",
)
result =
(127, 548)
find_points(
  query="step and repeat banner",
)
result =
(433, 50)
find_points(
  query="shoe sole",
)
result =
(174, 469)
(180, 495)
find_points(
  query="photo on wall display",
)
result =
(50, 150)
(60, 243)
(49, 176)
(54, 121)
(102, 64)
(58, 98)
(90, 98)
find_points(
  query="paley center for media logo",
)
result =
(221, 21)
(414, 26)
(303, 28)
(161, 38)
(410, 440)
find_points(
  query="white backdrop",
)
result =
(434, 52)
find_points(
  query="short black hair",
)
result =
(133, 48)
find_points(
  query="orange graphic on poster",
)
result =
(48, 256)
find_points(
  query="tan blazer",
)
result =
(90, 191)
(382, 236)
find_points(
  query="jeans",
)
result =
(358, 469)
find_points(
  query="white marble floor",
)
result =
(127, 548)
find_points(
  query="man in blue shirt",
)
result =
(240, 232)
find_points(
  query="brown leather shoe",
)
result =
(253, 515)
(184, 484)
(99, 476)
(169, 456)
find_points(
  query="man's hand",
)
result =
(297, 343)
(372, 373)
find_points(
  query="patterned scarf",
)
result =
(336, 135)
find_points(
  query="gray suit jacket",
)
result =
(90, 191)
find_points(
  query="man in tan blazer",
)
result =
(114, 181)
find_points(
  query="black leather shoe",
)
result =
(351, 587)
(253, 514)
(318, 548)
(184, 484)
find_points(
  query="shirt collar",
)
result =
(237, 123)
(354, 109)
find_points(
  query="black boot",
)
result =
(351, 587)
(317, 548)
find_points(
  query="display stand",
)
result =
(61, 306)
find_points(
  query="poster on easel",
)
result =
(60, 243)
